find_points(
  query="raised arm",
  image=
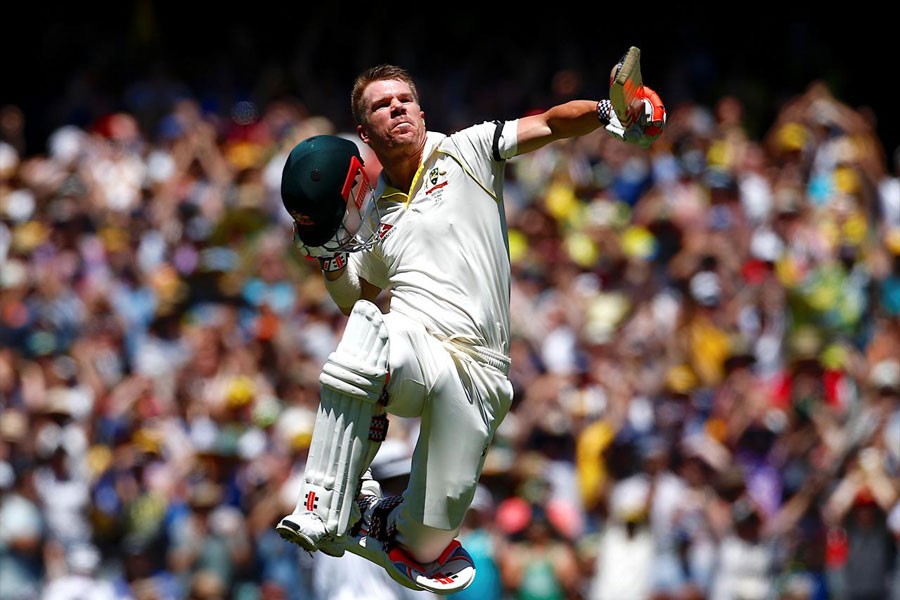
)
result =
(580, 117)
(572, 119)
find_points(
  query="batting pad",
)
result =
(350, 421)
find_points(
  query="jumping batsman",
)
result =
(433, 231)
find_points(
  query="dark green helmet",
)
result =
(325, 189)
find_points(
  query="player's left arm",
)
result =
(581, 117)
(571, 119)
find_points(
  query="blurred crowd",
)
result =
(706, 359)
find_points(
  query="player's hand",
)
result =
(653, 118)
(648, 122)
(329, 260)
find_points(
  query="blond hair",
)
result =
(371, 75)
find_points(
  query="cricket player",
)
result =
(433, 230)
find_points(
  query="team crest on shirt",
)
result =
(435, 177)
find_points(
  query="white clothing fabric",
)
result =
(743, 571)
(443, 248)
(443, 254)
(78, 587)
(624, 565)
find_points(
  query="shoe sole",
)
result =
(289, 532)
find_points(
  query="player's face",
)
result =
(394, 119)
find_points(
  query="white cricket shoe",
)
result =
(306, 529)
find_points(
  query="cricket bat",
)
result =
(624, 83)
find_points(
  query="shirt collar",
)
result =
(385, 191)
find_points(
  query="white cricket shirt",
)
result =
(443, 249)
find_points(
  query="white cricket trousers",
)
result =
(461, 393)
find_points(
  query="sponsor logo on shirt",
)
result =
(384, 230)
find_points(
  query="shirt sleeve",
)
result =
(369, 265)
(505, 139)
(489, 140)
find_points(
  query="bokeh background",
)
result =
(707, 333)
(69, 54)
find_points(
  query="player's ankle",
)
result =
(430, 558)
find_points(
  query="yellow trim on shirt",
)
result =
(390, 193)
(412, 186)
(397, 195)
(394, 194)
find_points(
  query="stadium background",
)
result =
(506, 53)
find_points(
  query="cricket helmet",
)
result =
(325, 189)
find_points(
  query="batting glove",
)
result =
(328, 259)
(653, 119)
(335, 262)
(646, 128)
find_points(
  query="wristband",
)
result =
(604, 108)
(334, 263)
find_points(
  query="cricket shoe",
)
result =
(451, 572)
(376, 532)
(307, 529)
(373, 537)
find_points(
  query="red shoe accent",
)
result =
(453, 570)
(406, 565)
(448, 551)
(399, 555)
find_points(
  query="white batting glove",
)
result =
(328, 260)
(614, 126)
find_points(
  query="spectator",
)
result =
(82, 579)
(858, 507)
(22, 534)
(538, 562)
(626, 548)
